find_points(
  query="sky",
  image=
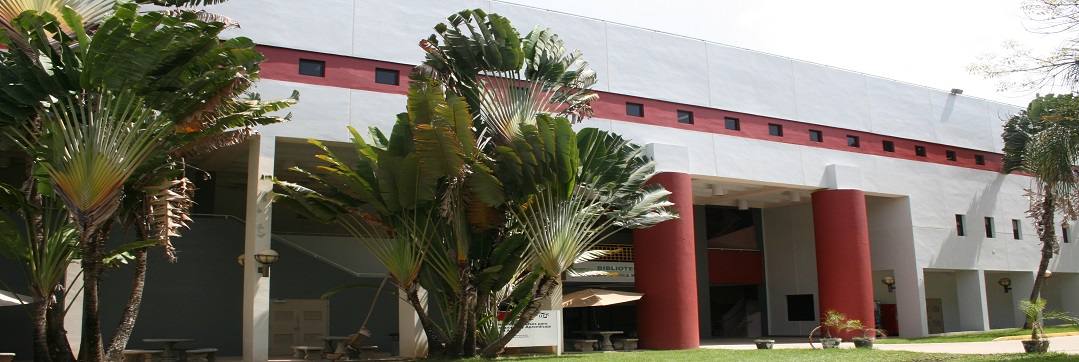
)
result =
(925, 42)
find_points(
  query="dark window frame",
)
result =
(854, 141)
(775, 129)
(630, 109)
(920, 151)
(990, 228)
(1064, 234)
(816, 136)
(979, 159)
(888, 146)
(950, 155)
(688, 114)
(312, 62)
(731, 123)
(960, 225)
(1017, 229)
(387, 72)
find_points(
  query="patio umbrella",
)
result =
(8, 299)
(597, 298)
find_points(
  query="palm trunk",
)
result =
(93, 246)
(39, 314)
(41, 333)
(465, 305)
(131, 312)
(1047, 233)
(59, 346)
(546, 285)
(435, 346)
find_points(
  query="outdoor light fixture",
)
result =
(957, 91)
(266, 257)
(240, 260)
(1006, 283)
(743, 205)
(717, 190)
(890, 282)
(1048, 274)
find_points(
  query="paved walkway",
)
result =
(1069, 344)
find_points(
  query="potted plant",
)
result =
(866, 340)
(764, 343)
(833, 320)
(1037, 314)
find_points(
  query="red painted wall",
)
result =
(665, 269)
(844, 273)
(735, 267)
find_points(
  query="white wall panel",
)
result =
(750, 159)
(942, 285)
(702, 160)
(815, 162)
(578, 33)
(1001, 308)
(322, 113)
(790, 262)
(325, 27)
(831, 97)
(375, 109)
(751, 82)
(998, 114)
(392, 30)
(656, 65)
(900, 109)
(962, 121)
(916, 180)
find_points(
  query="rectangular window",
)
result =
(634, 109)
(1017, 230)
(314, 68)
(853, 141)
(387, 76)
(990, 231)
(1064, 234)
(979, 159)
(960, 225)
(889, 146)
(775, 129)
(919, 150)
(685, 117)
(732, 124)
(800, 308)
(816, 136)
(950, 155)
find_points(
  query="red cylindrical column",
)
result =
(844, 273)
(665, 271)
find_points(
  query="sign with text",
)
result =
(541, 331)
(617, 272)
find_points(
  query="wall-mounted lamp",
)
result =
(240, 260)
(266, 257)
(1048, 274)
(1006, 283)
(890, 282)
(743, 205)
(957, 91)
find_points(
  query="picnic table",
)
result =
(336, 344)
(605, 342)
(169, 343)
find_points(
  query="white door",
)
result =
(297, 322)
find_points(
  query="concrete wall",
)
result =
(791, 266)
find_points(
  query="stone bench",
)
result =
(368, 352)
(201, 354)
(626, 344)
(142, 355)
(583, 345)
(7, 357)
(307, 352)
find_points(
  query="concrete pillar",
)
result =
(1068, 283)
(256, 302)
(973, 304)
(413, 340)
(73, 299)
(665, 272)
(1022, 284)
(910, 301)
(704, 293)
(844, 273)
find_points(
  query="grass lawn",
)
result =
(780, 355)
(976, 337)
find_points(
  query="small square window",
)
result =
(732, 124)
(960, 225)
(314, 68)
(853, 141)
(685, 117)
(387, 76)
(634, 109)
(889, 146)
(1017, 229)
(816, 136)
(950, 155)
(775, 129)
(919, 150)
(800, 307)
(990, 231)
(979, 159)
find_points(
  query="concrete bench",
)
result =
(626, 344)
(368, 352)
(201, 354)
(7, 357)
(583, 345)
(142, 355)
(307, 352)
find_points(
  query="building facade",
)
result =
(801, 186)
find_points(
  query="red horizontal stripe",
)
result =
(359, 74)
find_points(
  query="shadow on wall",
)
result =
(956, 251)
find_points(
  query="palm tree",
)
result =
(483, 193)
(1042, 141)
(128, 98)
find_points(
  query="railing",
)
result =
(622, 253)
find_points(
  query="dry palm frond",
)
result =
(169, 206)
(206, 16)
(91, 11)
